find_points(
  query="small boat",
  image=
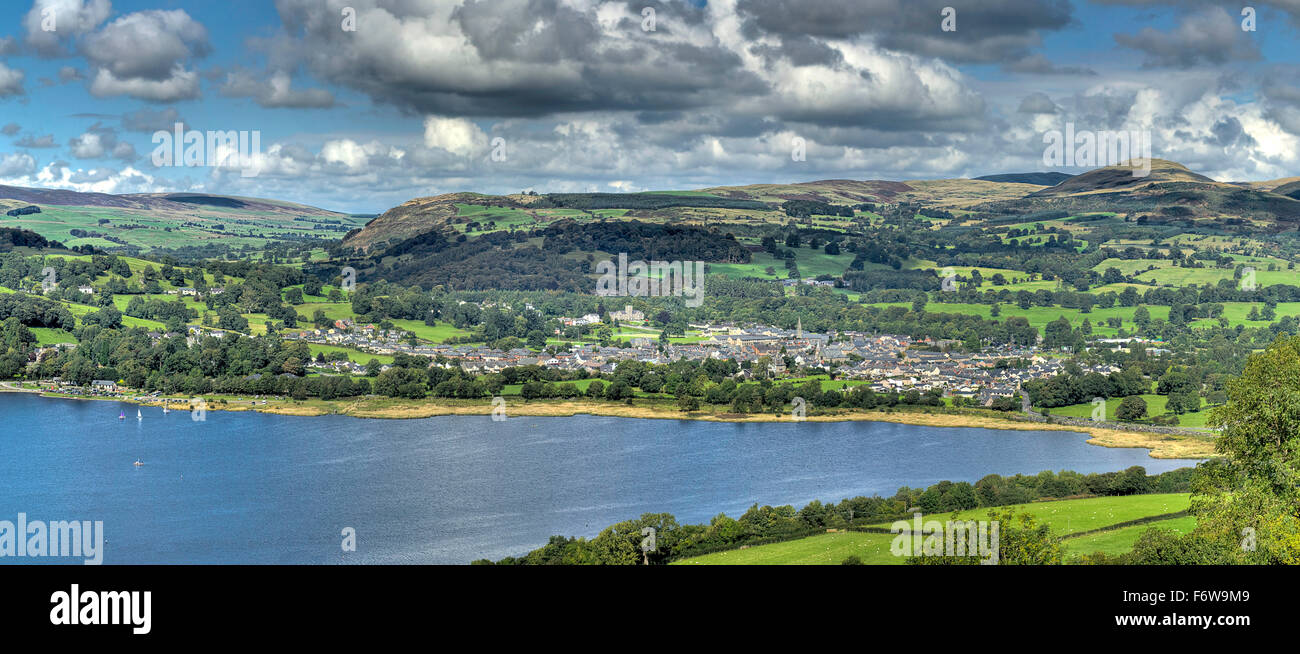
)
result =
(166, 410)
(138, 463)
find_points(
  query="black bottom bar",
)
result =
(206, 604)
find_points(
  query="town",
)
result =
(889, 363)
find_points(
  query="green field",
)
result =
(1119, 541)
(581, 384)
(50, 336)
(1155, 407)
(502, 217)
(1065, 517)
(437, 333)
(1071, 516)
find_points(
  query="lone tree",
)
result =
(1132, 408)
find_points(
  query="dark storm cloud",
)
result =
(1283, 103)
(1228, 132)
(535, 58)
(990, 31)
(1210, 36)
(800, 50)
(511, 57)
(507, 30)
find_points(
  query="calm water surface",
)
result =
(258, 488)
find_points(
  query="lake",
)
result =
(243, 487)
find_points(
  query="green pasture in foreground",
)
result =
(1065, 517)
(1119, 541)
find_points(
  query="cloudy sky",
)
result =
(363, 104)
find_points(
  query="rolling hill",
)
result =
(141, 222)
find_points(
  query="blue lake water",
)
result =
(243, 487)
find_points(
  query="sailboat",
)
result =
(138, 416)
(166, 410)
(121, 415)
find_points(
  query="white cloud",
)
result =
(16, 164)
(182, 85)
(58, 175)
(146, 44)
(69, 18)
(458, 136)
(99, 142)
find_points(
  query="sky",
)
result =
(360, 105)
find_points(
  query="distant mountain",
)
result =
(144, 221)
(1113, 178)
(1169, 191)
(152, 201)
(1038, 179)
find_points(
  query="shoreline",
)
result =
(1158, 446)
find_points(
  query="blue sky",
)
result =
(436, 96)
